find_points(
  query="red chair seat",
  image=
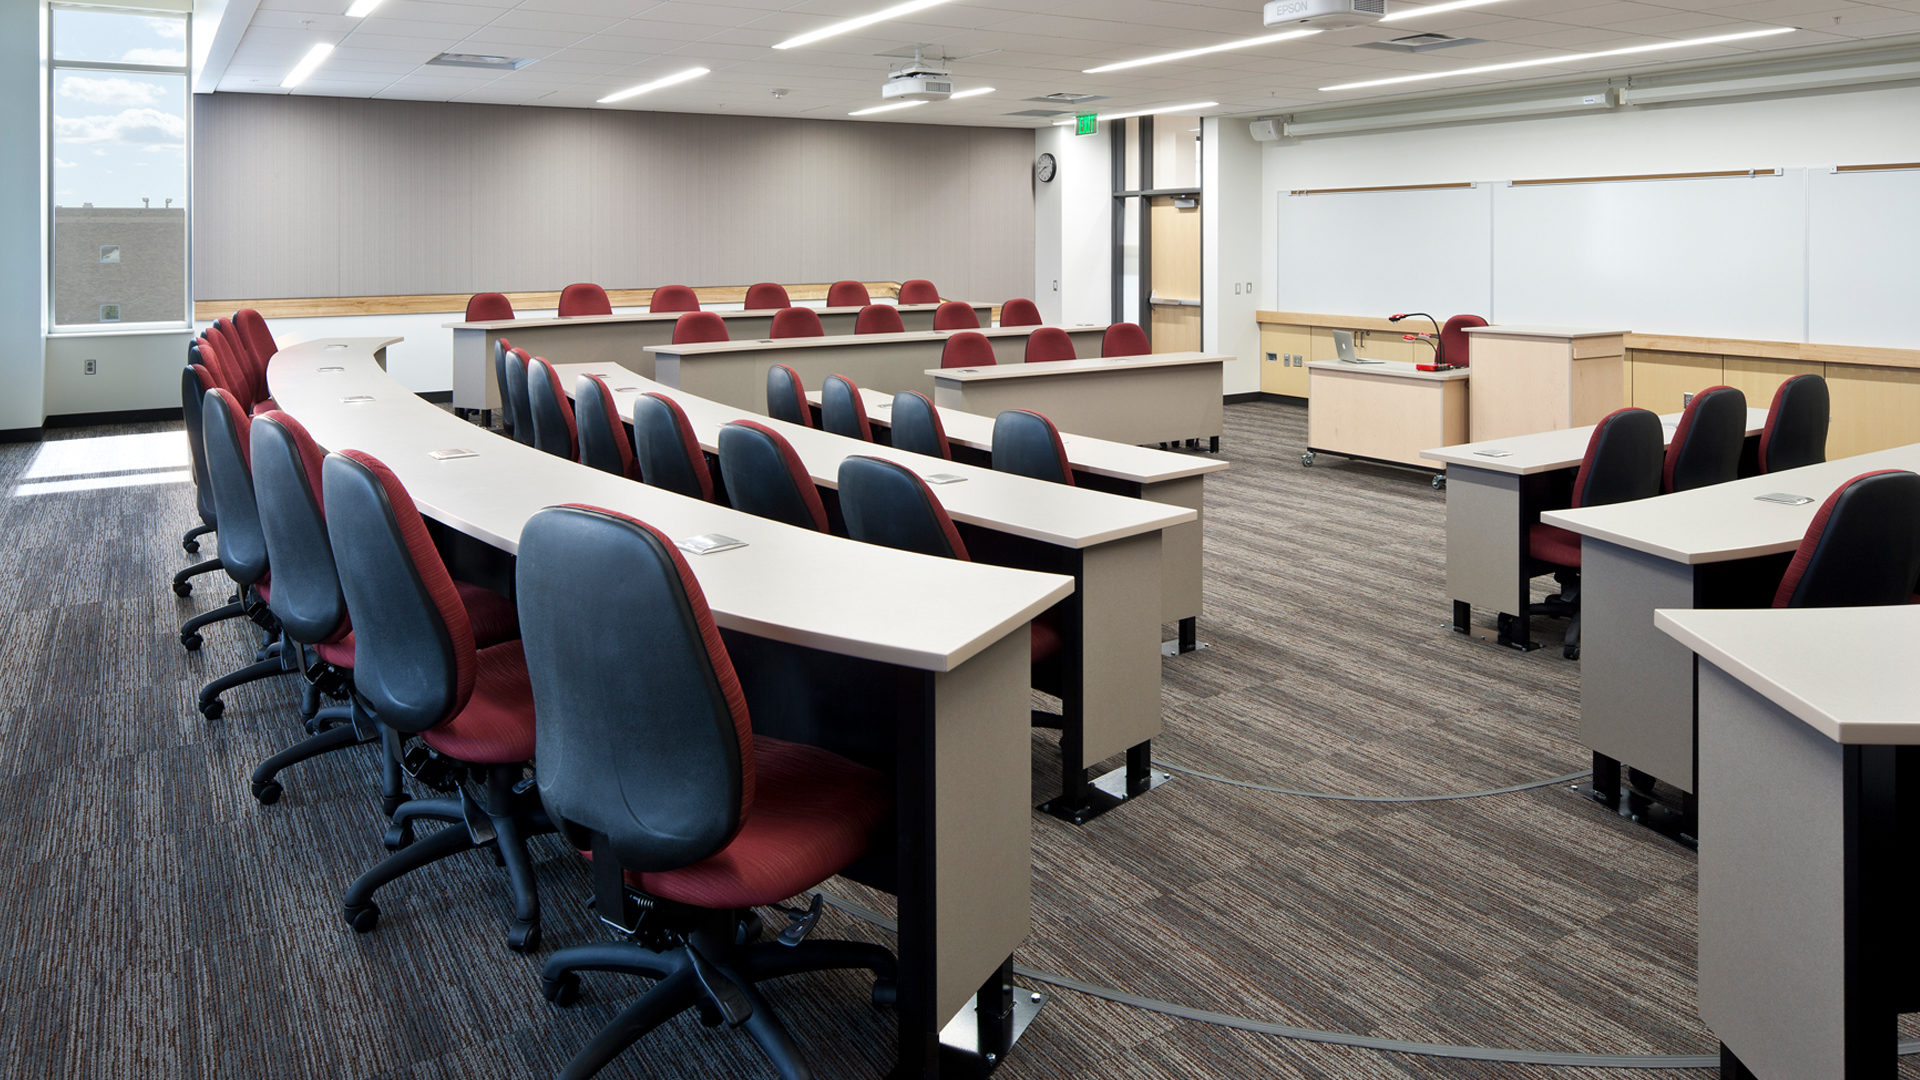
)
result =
(1046, 638)
(493, 616)
(496, 727)
(812, 813)
(264, 589)
(264, 406)
(1553, 544)
(338, 653)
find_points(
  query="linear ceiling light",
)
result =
(314, 58)
(1539, 61)
(1104, 117)
(886, 108)
(1185, 54)
(975, 92)
(360, 9)
(647, 88)
(1403, 14)
(858, 21)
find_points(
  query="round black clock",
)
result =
(1046, 168)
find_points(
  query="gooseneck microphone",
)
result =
(1434, 340)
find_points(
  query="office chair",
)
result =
(584, 298)
(230, 369)
(697, 326)
(1622, 463)
(1796, 430)
(1027, 444)
(1455, 341)
(787, 397)
(253, 329)
(954, 315)
(919, 291)
(796, 322)
(673, 298)
(878, 319)
(417, 671)
(1049, 343)
(764, 476)
(842, 410)
(664, 448)
(554, 431)
(489, 307)
(847, 294)
(649, 761)
(1705, 448)
(249, 370)
(767, 296)
(968, 348)
(243, 548)
(195, 381)
(518, 396)
(1121, 339)
(602, 435)
(1863, 548)
(1020, 312)
(501, 347)
(916, 426)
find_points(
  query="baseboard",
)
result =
(1284, 399)
(438, 397)
(1242, 399)
(125, 416)
(20, 434)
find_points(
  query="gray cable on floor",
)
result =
(1250, 785)
(1340, 1038)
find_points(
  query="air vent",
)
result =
(1414, 43)
(1069, 99)
(1042, 113)
(481, 60)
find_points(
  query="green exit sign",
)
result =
(1088, 125)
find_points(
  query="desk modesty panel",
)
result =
(1160, 397)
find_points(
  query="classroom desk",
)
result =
(1135, 471)
(1539, 378)
(735, 372)
(1712, 547)
(945, 668)
(1110, 545)
(1387, 411)
(1161, 397)
(618, 339)
(1809, 753)
(1490, 502)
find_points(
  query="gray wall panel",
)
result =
(308, 196)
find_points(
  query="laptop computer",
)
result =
(1343, 349)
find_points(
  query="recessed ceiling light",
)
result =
(1568, 58)
(975, 92)
(858, 21)
(644, 88)
(360, 9)
(1156, 111)
(314, 58)
(886, 108)
(1405, 13)
(1184, 54)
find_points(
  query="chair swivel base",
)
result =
(183, 586)
(265, 783)
(210, 704)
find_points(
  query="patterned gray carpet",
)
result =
(166, 925)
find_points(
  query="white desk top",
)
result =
(710, 348)
(1071, 367)
(665, 316)
(1390, 369)
(1847, 672)
(1139, 464)
(1051, 513)
(1546, 451)
(1725, 521)
(1526, 330)
(787, 584)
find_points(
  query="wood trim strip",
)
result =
(1643, 176)
(1389, 187)
(1878, 168)
(433, 303)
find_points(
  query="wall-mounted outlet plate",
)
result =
(92, 367)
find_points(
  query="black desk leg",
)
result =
(1213, 444)
(1462, 617)
(993, 1011)
(1516, 631)
(486, 418)
(1730, 1067)
(1606, 780)
(1189, 633)
(1140, 768)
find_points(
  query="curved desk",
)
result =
(1128, 399)
(945, 664)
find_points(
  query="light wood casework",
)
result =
(1389, 411)
(1542, 378)
(1289, 341)
(1284, 352)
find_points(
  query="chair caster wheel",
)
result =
(213, 709)
(191, 547)
(183, 588)
(389, 804)
(363, 917)
(190, 642)
(524, 937)
(563, 990)
(1307, 460)
(885, 993)
(748, 929)
(267, 791)
(399, 835)
(1439, 482)
(1571, 652)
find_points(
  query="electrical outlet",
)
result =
(93, 367)
(1271, 357)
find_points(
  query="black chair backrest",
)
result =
(886, 503)
(917, 427)
(786, 397)
(643, 727)
(195, 381)
(1863, 548)
(515, 396)
(1027, 443)
(413, 657)
(604, 444)
(1706, 446)
(1623, 459)
(668, 454)
(243, 549)
(1796, 431)
(306, 595)
(553, 430)
(842, 411)
(764, 476)
(500, 347)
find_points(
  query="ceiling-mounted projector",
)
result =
(1326, 14)
(918, 81)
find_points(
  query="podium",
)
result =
(1543, 378)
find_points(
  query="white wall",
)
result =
(1230, 251)
(23, 77)
(1073, 225)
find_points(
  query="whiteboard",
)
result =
(1703, 257)
(1381, 252)
(1863, 258)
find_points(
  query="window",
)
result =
(119, 158)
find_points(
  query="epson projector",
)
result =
(1324, 14)
(917, 84)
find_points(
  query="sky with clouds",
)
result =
(118, 137)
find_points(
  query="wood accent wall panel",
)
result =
(1659, 379)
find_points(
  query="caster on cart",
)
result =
(1439, 481)
(1306, 459)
